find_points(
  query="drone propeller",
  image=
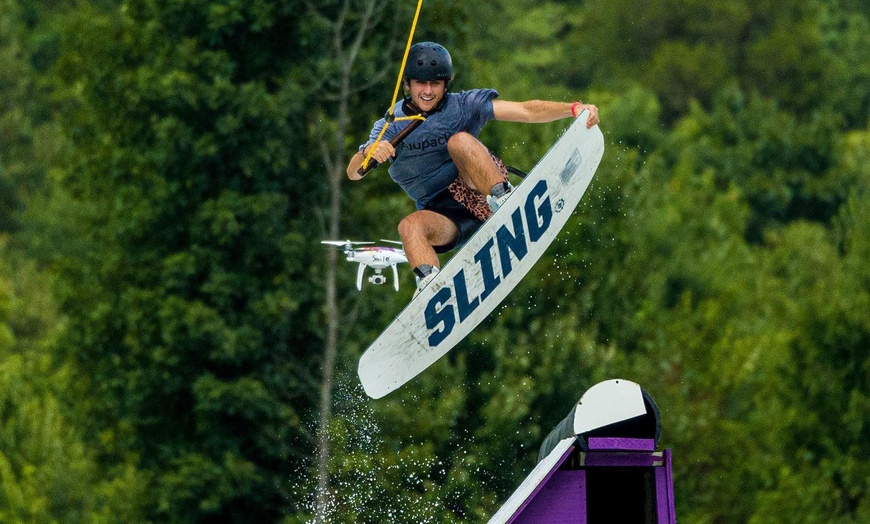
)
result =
(344, 243)
(391, 241)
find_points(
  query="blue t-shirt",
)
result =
(422, 165)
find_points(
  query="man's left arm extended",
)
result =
(539, 111)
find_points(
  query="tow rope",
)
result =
(368, 164)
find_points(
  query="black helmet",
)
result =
(429, 61)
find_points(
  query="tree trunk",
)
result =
(335, 160)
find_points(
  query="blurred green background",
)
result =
(176, 345)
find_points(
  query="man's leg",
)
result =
(475, 163)
(420, 231)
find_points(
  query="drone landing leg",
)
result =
(359, 275)
(395, 277)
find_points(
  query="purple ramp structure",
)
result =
(599, 465)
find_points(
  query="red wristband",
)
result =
(574, 108)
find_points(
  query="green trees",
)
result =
(190, 324)
(824, 379)
(49, 471)
(167, 170)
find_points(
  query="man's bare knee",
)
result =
(409, 226)
(461, 142)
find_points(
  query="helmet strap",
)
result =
(410, 108)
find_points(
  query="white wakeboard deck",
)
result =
(488, 267)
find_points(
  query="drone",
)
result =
(375, 257)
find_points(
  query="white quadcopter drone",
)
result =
(375, 257)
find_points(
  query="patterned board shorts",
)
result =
(471, 199)
(464, 206)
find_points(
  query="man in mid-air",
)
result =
(455, 181)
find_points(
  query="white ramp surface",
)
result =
(524, 494)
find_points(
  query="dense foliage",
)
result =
(163, 191)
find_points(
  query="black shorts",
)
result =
(444, 204)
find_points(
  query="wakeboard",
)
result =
(482, 273)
